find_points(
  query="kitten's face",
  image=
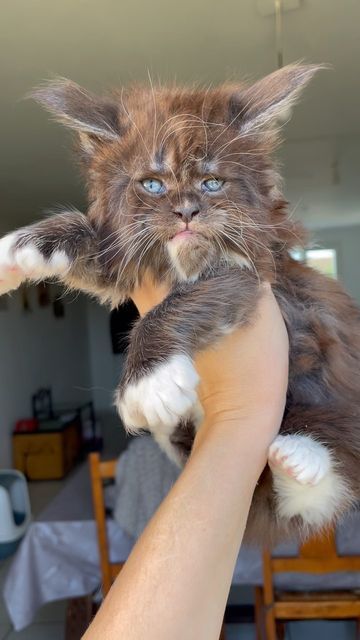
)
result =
(182, 185)
(181, 179)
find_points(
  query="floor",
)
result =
(49, 623)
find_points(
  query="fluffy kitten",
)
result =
(181, 183)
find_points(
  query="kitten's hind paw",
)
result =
(20, 262)
(161, 398)
(307, 482)
(300, 458)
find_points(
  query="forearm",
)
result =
(176, 580)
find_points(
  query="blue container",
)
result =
(15, 512)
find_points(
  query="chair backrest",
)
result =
(100, 471)
(317, 555)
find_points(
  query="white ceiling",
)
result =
(105, 43)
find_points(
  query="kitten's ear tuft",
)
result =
(261, 104)
(89, 115)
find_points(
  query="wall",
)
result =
(322, 180)
(346, 241)
(106, 369)
(104, 365)
(37, 349)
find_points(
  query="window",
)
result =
(324, 260)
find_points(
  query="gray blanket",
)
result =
(144, 476)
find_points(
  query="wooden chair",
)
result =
(100, 471)
(80, 611)
(273, 607)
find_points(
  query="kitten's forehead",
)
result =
(169, 160)
(177, 128)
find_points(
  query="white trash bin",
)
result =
(15, 511)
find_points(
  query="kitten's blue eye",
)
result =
(212, 184)
(153, 186)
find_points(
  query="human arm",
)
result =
(176, 580)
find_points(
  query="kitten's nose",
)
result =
(187, 213)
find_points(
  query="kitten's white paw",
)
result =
(299, 457)
(161, 399)
(27, 262)
(307, 482)
(10, 274)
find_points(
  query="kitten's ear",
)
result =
(265, 101)
(94, 118)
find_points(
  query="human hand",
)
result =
(244, 377)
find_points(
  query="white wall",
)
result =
(37, 349)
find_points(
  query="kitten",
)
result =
(181, 183)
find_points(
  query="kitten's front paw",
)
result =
(161, 398)
(19, 263)
(300, 458)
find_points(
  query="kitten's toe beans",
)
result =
(162, 398)
(299, 457)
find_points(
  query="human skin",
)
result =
(176, 580)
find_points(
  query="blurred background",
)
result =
(63, 343)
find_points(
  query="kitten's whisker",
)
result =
(221, 245)
(176, 180)
(243, 247)
(257, 152)
(238, 164)
(254, 239)
(146, 243)
(155, 112)
(187, 116)
(146, 248)
(171, 132)
(127, 241)
(134, 123)
(127, 258)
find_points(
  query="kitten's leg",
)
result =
(62, 246)
(283, 508)
(159, 384)
(306, 479)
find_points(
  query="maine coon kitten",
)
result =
(181, 184)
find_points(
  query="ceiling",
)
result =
(106, 43)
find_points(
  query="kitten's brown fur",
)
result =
(183, 136)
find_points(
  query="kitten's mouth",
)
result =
(184, 234)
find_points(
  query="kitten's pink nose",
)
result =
(187, 213)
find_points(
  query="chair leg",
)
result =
(79, 614)
(270, 625)
(357, 632)
(259, 613)
(280, 630)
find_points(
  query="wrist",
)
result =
(234, 436)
